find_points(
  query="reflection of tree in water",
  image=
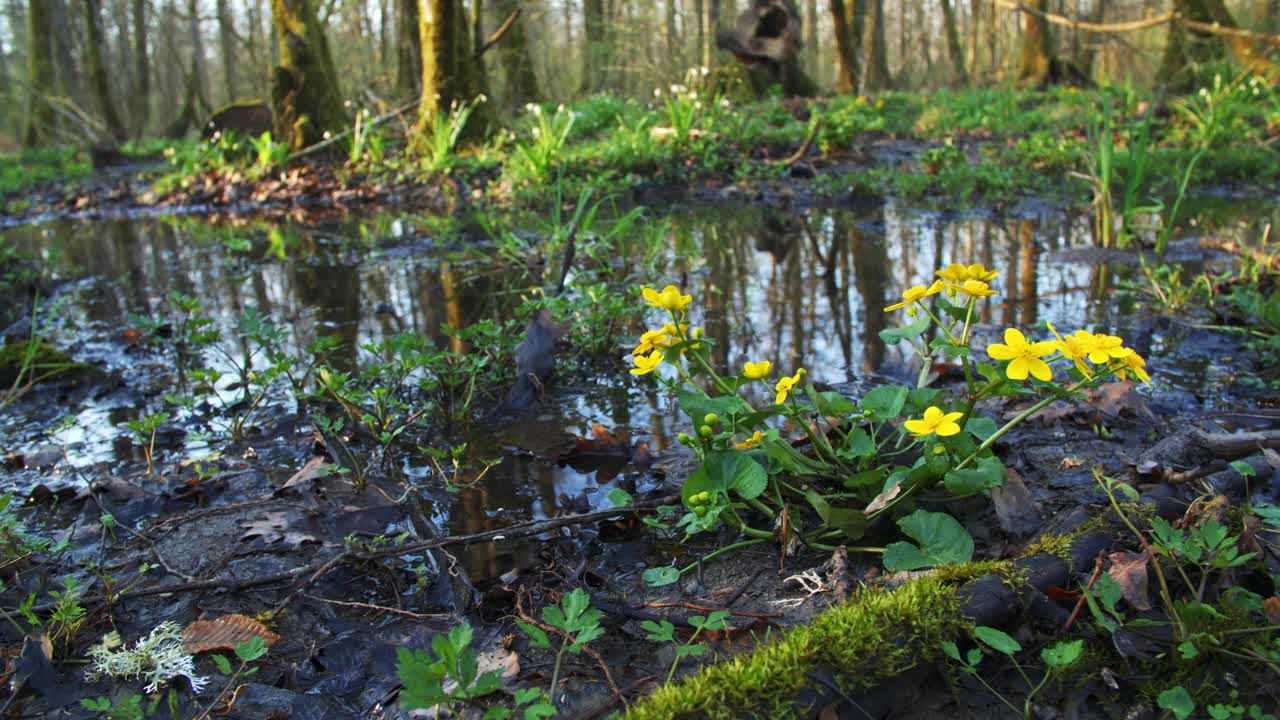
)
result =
(866, 259)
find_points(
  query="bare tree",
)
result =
(97, 69)
(40, 80)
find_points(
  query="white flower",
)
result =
(657, 92)
(704, 71)
(693, 95)
(724, 103)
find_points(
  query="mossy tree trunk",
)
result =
(875, 76)
(847, 19)
(40, 79)
(597, 47)
(954, 51)
(226, 42)
(304, 86)
(517, 61)
(98, 79)
(450, 73)
(1037, 47)
(408, 49)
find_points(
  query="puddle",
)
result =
(800, 288)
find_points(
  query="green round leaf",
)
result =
(997, 640)
(659, 576)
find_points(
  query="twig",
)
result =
(498, 34)
(733, 598)
(568, 637)
(320, 572)
(1097, 570)
(380, 608)
(704, 608)
(795, 157)
(313, 149)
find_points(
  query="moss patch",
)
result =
(42, 359)
(877, 634)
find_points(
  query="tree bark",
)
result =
(954, 51)
(197, 53)
(226, 40)
(1037, 47)
(40, 79)
(408, 49)
(875, 76)
(449, 72)
(1188, 49)
(98, 79)
(141, 69)
(304, 86)
(597, 47)
(517, 61)
(847, 20)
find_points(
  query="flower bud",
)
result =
(697, 333)
(711, 419)
(705, 431)
(685, 438)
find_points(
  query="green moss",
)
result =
(877, 634)
(43, 360)
(1052, 544)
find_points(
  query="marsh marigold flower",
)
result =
(751, 442)
(1024, 356)
(973, 288)
(935, 421)
(646, 364)
(669, 298)
(1075, 348)
(757, 371)
(784, 386)
(1131, 363)
(1105, 348)
(652, 340)
(956, 274)
(916, 294)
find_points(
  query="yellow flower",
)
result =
(751, 442)
(956, 273)
(1105, 348)
(653, 339)
(1024, 356)
(935, 421)
(646, 364)
(784, 386)
(916, 294)
(1132, 363)
(669, 299)
(757, 371)
(1075, 348)
(973, 288)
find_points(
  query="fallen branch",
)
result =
(705, 609)
(498, 34)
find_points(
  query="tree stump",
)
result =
(767, 40)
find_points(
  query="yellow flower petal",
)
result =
(757, 371)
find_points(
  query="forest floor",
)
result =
(190, 464)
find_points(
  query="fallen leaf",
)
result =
(224, 633)
(882, 500)
(316, 468)
(1129, 570)
(1271, 608)
(1062, 597)
(1272, 458)
(273, 527)
(1019, 515)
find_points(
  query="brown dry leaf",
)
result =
(1271, 608)
(1121, 398)
(1129, 570)
(883, 499)
(316, 468)
(273, 527)
(224, 633)
(1018, 513)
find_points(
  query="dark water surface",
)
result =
(803, 288)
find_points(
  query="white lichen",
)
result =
(157, 658)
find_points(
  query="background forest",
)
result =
(97, 71)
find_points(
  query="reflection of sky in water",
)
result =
(796, 288)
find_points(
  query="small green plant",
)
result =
(144, 429)
(268, 155)
(538, 155)
(1056, 658)
(246, 652)
(367, 146)
(442, 132)
(453, 467)
(127, 707)
(577, 622)
(449, 676)
(666, 632)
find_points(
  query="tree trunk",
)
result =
(408, 49)
(1189, 50)
(513, 53)
(876, 61)
(197, 53)
(304, 86)
(954, 51)
(226, 39)
(1037, 47)
(449, 72)
(811, 38)
(141, 70)
(40, 78)
(597, 50)
(847, 20)
(97, 70)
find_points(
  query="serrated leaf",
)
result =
(986, 473)
(1177, 701)
(620, 498)
(941, 540)
(537, 636)
(659, 576)
(1062, 654)
(222, 663)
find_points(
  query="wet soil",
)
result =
(234, 528)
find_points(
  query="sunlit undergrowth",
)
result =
(993, 143)
(31, 168)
